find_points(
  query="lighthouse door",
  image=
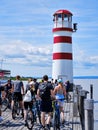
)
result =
(63, 77)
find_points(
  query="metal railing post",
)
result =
(91, 91)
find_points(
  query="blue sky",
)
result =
(26, 39)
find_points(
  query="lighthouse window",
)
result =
(70, 19)
(55, 18)
(59, 15)
(65, 17)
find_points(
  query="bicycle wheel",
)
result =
(16, 109)
(30, 120)
(14, 112)
(56, 120)
(68, 97)
(10, 99)
(39, 116)
(5, 104)
(38, 111)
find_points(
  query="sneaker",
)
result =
(13, 116)
(48, 127)
(22, 113)
(51, 124)
(9, 106)
(1, 118)
(25, 123)
(63, 122)
(42, 127)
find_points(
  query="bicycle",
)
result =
(38, 110)
(32, 116)
(6, 102)
(56, 115)
(16, 108)
(9, 97)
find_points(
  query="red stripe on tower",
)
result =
(62, 29)
(63, 39)
(67, 56)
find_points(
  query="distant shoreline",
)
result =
(85, 77)
(39, 78)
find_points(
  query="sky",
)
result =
(26, 38)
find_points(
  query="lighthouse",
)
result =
(62, 45)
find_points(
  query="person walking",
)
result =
(16, 88)
(8, 89)
(1, 89)
(60, 93)
(67, 85)
(45, 92)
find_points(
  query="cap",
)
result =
(60, 81)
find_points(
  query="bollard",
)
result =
(82, 96)
(89, 117)
(75, 105)
(76, 90)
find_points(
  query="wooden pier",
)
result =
(72, 120)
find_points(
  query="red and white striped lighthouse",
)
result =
(62, 47)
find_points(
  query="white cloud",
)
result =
(25, 53)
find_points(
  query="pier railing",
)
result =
(84, 106)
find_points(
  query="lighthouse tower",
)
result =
(62, 47)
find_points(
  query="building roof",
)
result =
(63, 12)
(4, 72)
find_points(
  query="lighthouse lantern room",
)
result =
(62, 47)
(62, 18)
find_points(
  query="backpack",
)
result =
(28, 96)
(43, 89)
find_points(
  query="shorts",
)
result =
(0, 101)
(28, 105)
(17, 95)
(46, 106)
(60, 102)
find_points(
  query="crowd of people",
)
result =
(55, 90)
